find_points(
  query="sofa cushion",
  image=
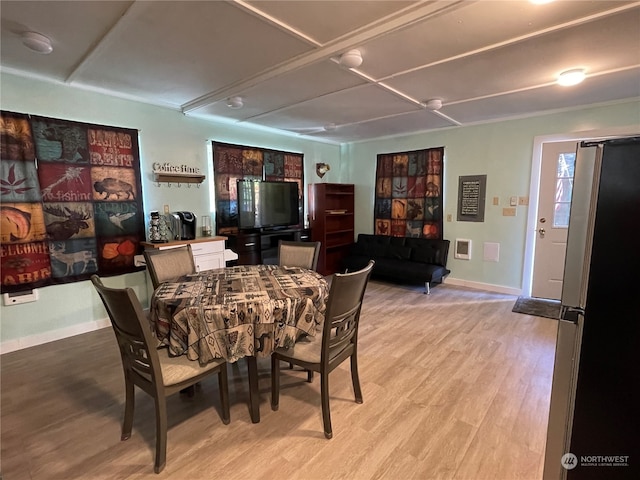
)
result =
(398, 252)
(425, 256)
(372, 245)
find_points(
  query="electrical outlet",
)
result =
(523, 200)
(496, 200)
(166, 209)
(448, 217)
(509, 212)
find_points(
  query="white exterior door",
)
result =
(554, 201)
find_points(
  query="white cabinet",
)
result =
(208, 255)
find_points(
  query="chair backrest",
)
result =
(298, 254)
(168, 264)
(342, 316)
(136, 342)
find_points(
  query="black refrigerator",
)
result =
(593, 428)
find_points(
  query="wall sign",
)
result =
(471, 198)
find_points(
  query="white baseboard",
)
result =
(39, 339)
(483, 286)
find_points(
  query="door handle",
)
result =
(542, 231)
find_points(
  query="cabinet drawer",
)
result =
(202, 248)
(249, 243)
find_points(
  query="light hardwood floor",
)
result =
(455, 386)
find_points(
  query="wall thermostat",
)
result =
(462, 249)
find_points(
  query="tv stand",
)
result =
(256, 247)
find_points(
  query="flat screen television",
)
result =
(267, 205)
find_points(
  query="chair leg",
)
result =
(427, 289)
(275, 383)
(223, 386)
(161, 433)
(129, 403)
(310, 376)
(355, 379)
(326, 414)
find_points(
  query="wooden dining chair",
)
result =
(166, 265)
(151, 368)
(298, 254)
(338, 342)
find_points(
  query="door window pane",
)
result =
(564, 189)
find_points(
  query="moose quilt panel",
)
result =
(71, 201)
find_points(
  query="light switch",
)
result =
(448, 217)
(496, 200)
(523, 200)
(513, 201)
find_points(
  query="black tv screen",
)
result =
(267, 204)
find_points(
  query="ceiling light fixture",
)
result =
(433, 104)
(351, 59)
(235, 102)
(37, 42)
(329, 127)
(571, 77)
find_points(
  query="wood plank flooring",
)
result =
(455, 386)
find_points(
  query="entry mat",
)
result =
(540, 307)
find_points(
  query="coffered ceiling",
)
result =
(485, 60)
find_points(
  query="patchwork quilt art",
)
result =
(71, 201)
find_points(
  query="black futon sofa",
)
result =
(401, 258)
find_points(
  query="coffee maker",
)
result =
(187, 225)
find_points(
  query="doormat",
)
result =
(540, 307)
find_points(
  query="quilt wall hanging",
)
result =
(236, 162)
(408, 199)
(71, 201)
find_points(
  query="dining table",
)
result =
(244, 311)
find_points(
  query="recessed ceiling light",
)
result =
(329, 127)
(351, 59)
(235, 102)
(37, 42)
(571, 77)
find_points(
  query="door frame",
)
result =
(534, 186)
